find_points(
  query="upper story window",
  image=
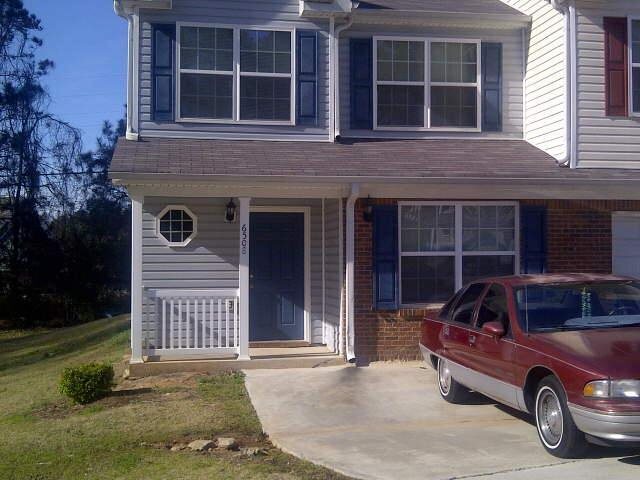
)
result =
(206, 73)
(427, 84)
(265, 75)
(235, 75)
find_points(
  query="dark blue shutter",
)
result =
(361, 85)
(491, 87)
(307, 51)
(385, 256)
(533, 227)
(164, 37)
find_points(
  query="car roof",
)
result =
(542, 279)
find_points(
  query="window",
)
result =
(446, 246)
(177, 225)
(635, 66)
(265, 75)
(494, 308)
(445, 312)
(488, 241)
(206, 73)
(452, 83)
(235, 75)
(400, 83)
(463, 312)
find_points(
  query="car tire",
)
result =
(451, 391)
(556, 429)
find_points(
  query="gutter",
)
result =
(568, 10)
(350, 267)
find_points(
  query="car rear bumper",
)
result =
(608, 426)
(427, 354)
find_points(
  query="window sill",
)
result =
(269, 123)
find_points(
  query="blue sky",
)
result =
(88, 43)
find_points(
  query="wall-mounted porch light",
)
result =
(367, 213)
(230, 212)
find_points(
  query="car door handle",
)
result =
(472, 339)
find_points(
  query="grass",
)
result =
(127, 435)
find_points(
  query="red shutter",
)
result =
(616, 64)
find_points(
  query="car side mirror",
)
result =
(495, 329)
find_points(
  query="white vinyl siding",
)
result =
(254, 14)
(210, 260)
(512, 98)
(609, 142)
(545, 124)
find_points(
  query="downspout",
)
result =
(131, 133)
(332, 80)
(350, 261)
(570, 60)
(335, 56)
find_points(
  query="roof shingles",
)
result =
(453, 159)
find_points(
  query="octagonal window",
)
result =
(177, 225)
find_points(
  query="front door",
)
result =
(276, 272)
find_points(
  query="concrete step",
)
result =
(147, 369)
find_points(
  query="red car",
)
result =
(565, 348)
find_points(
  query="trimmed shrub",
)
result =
(87, 383)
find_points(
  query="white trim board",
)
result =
(307, 255)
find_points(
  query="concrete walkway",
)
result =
(389, 422)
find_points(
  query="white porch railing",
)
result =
(191, 322)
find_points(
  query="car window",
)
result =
(445, 313)
(463, 312)
(494, 308)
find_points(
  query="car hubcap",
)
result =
(550, 417)
(444, 377)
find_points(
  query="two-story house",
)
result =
(316, 174)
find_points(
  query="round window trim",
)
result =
(188, 212)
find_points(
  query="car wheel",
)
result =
(450, 390)
(556, 428)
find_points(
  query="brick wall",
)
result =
(579, 240)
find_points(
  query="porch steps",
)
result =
(151, 368)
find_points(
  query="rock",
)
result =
(253, 451)
(201, 445)
(227, 443)
(178, 447)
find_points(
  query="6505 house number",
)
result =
(243, 239)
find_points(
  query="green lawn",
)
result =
(45, 437)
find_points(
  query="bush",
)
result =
(87, 383)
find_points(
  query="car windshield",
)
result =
(578, 306)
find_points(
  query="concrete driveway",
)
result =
(389, 422)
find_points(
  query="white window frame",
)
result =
(186, 210)
(428, 84)
(236, 76)
(630, 20)
(458, 253)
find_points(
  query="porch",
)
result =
(257, 287)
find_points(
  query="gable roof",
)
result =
(413, 161)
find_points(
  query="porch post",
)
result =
(243, 353)
(136, 278)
